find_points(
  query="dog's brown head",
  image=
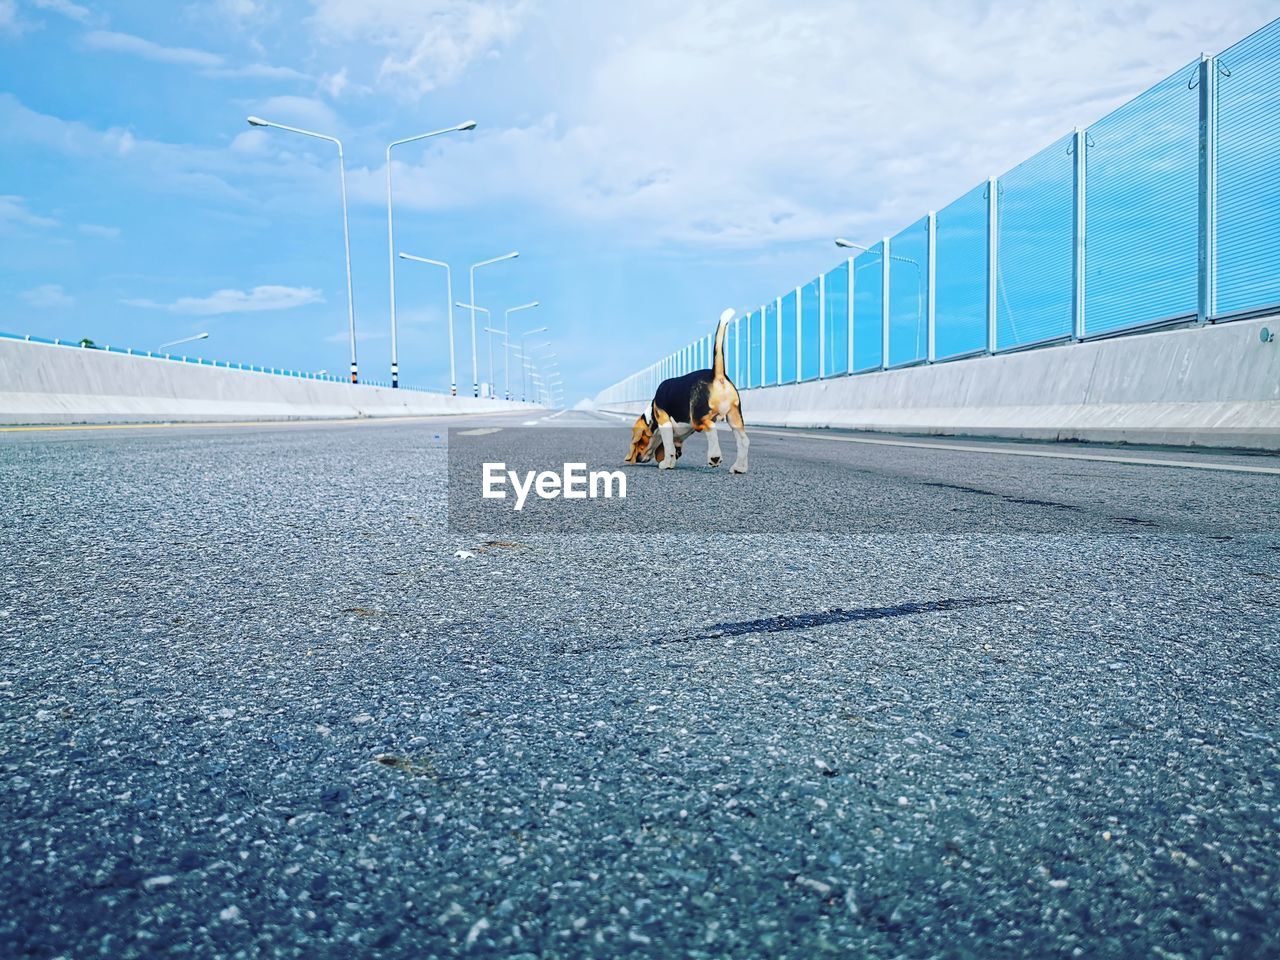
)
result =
(640, 437)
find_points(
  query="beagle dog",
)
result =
(691, 404)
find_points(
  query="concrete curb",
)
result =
(1211, 386)
(44, 383)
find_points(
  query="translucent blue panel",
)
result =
(756, 335)
(909, 294)
(1035, 253)
(771, 343)
(789, 330)
(960, 276)
(1248, 199)
(734, 369)
(731, 351)
(810, 305)
(1142, 208)
(836, 322)
(868, 299)
(740, 369)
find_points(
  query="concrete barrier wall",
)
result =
(1216, 385)
(43, 383)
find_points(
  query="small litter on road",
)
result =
(415, 768)
(464, 554)
(499, 545)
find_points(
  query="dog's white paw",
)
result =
(667, 463)
(738, 468)
(713, 461)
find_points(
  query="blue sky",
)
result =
(651, 165)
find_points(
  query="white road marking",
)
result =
(1013, 451)
(479, 431)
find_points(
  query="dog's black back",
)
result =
(685, 399)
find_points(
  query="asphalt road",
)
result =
(258, 698)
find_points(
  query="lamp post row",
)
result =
(391, 261)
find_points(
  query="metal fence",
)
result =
(1166, 211)
(182, 358)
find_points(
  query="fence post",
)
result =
(849, 310)
(1078, 146)
(884, 304)
(1206, 307)
(993, 225)
(777, 320)
(742, 329)
(931, 304)
(762, 346)
(799, 333)
(822, 325)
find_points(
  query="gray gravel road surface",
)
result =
(253, 702)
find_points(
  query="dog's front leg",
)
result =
(668, 446)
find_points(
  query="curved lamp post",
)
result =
(346, 231)
(475, 373)
(174, 343)
(485, 310)
(448, 286)
(506, 354)
(391, 243)
(524, 353)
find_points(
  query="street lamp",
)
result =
(391, 243)
(174, 343)
(506, 354)
(346, 231)
(487, 316)
(448, 281)
(850, 245)
(506, 351)
(524, 352)
(475, 375)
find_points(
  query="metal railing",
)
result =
(1166, 211)
(197, 361)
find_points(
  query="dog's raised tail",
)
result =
(717, 365)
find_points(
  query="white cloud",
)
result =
(298, 112)
(47, 296)
(427, 44)
(258, 71)
(205, 172)
(335, 83)
(240, 9)
(97, 230)
(68, 9)
(209, 64)
(747, 122)
(14, 212)
(148, 50)
(9, 22)
(238, 301)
